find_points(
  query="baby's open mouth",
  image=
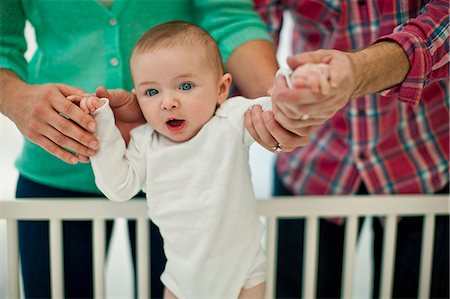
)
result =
(175, 124)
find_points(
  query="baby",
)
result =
(191, 160)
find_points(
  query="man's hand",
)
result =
(297, 111)
(126, 109)
(44, 115)
(300, 108)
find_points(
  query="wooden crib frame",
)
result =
(310, 208)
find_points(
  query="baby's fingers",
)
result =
(93, 103)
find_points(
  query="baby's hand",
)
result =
(87, 103)
(314, 76)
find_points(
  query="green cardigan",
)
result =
(84, 44)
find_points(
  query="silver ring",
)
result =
(278, 148)
(304, 117)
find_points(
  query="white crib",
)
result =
(309, 208)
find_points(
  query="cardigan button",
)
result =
(114, 61)
(112, 22)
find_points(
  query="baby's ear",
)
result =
(224, 87)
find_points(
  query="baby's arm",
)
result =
(119, 171)
(313, 76)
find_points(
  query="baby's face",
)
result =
(176, 90)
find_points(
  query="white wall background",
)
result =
(119, 272)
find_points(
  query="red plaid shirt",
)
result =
(396, 141)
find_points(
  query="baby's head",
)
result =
(178, 78)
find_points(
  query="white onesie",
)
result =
(199, 194)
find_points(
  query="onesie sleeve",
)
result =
(234, 109)
(119, 171)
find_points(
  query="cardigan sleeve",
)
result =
(12, 39)
(230, 22)
(425, 41)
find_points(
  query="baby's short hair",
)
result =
(180, 33)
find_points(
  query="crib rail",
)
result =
(309, 208)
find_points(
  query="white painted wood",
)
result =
(142, 261)
(285, 207)
(310, 257)
(310, 208)
(98, 242)
(13, 259)
(56, 259)
(426, 259)
(271, 237)
(351, 231)
(388, 256)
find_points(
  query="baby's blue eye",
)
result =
(186, 86)
(152, 92)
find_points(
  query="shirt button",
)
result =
(114, 61)
(362, 156)
(112, 22)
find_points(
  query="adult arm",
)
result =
(401, 64)
(36, 109)
(253, 66)
(244, 43)
(44, 116)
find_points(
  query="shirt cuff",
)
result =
(411, 89)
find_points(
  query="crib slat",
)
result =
(56, 259)
(351, 228)
(310, 257)
(142, 262)
(13, 258)
(99, 258)
(271, 253)
(389, 242)
(426, 259)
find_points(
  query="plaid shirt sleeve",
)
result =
(425, 41)
(271, 12)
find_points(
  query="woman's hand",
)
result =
(44, 116)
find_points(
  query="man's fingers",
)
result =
(306, 57)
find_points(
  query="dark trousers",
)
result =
(331, 247)
(77, 246)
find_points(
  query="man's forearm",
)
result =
(253, 66)
(379, 67)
